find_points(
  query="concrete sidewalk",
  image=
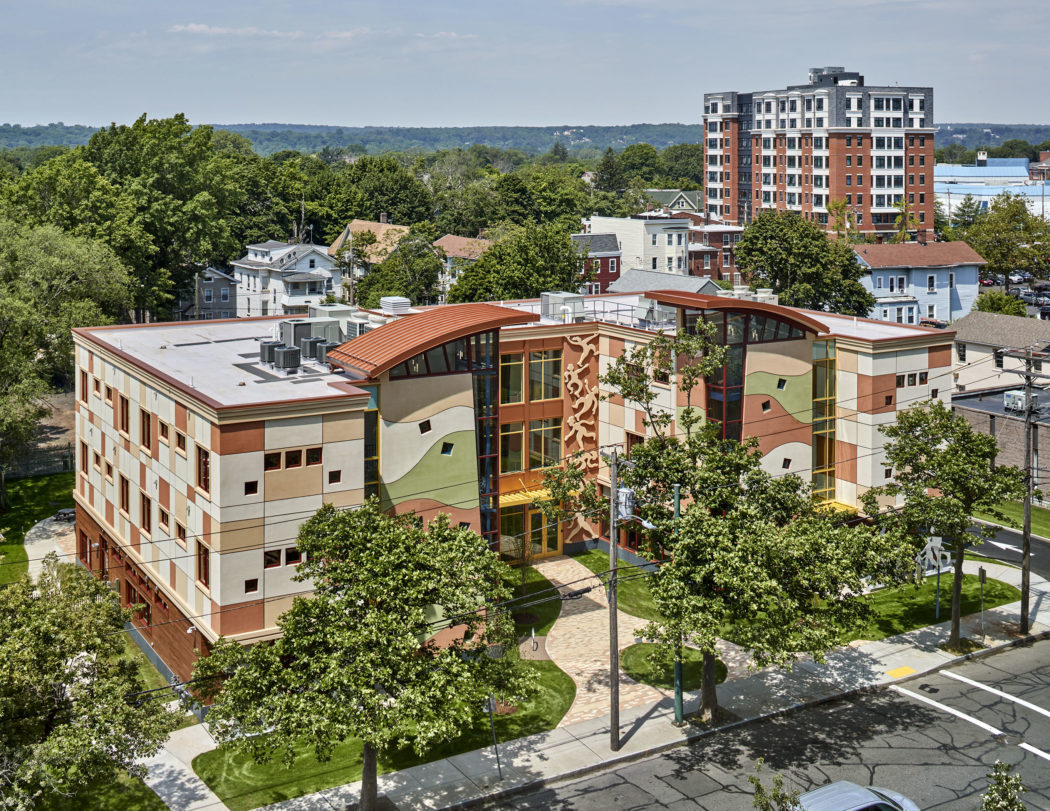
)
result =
(578, 748)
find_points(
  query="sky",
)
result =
(468, 63)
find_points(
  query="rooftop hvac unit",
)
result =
(395, 305)
(266, 349)
(561, 306)
(322, 349)
(294, 330)
(286, 358)
(309, 345)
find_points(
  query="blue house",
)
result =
(912, 281)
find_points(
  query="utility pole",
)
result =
(1026, 532)
(679, 708)
(614, 633)
(1026, 537)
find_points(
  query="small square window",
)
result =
(911, 379)
(424, 427)
(923, 378)
(335, 476)
(271, 558)
(293, 458)
(163, 426)
(251, 488)
(109, 394)
(782, 384)
(180, 535)
(272, 461)
(464, 524)
(97, 461)
(786, 464)
(162, 517)
(98, 387)
(888, 473)
(180, 441)
(889, 399)
(313, 456)
(446, 448)
(900, 381)
(251, 586)
(766, 405)
(109, 471)
(934, 393)
(292, 556)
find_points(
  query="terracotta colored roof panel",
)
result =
(700, 301)
(917, 255)
(384, 347)
(463, 247)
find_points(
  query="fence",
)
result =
(41, 461)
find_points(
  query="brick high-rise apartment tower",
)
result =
(800, 148)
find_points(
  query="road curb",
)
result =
(693, 735)
(1011, 529)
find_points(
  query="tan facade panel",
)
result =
(414, 400)
(233, 536)
(343, 427)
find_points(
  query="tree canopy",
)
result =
(997, 301)
(358, 658)
(799, 262)
(411, 270)
(1009, 236)
(69, 698)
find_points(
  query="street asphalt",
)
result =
(933, 738)
(1006, 546)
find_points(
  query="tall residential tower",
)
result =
(833, 139)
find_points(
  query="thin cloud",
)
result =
(254, 32)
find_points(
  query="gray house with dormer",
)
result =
(285, 278)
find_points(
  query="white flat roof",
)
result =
(219, 360)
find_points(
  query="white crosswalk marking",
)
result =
(1000, 693)
(968, 718)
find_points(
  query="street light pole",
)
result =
(614, 633)
(1026, 537)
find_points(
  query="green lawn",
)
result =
(545, 613)
(633, 596)
(31, 501)
(243, 784)
(901, 610)
(150, 675)
(1014, 512)
(635, 663)
(122, 793)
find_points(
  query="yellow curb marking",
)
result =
(900, 672)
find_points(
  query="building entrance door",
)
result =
(546, 540)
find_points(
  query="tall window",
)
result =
(83, 457)
(125, 495)
(544, 443)
(511, 447)
(824, 420)
(145, 430)
(203, 469)
(371, 457)
(124, 415)
(203, 564)
(145, 513)
(545, 374)
(83, 386)
(998, 359)
(960, 352)
(511, 374)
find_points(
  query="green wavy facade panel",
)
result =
(796, 397)
(449, 479)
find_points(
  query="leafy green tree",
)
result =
(794, 256)
(684, 165)
(945, 472)
(608, 176)
(412, 270)
(467, 211)
(941, 226)
(641, 161)
(386, 187)
(72, 713)
(528, 261)
(997, 301)
(966, 213)
(905, 222)
(515, 202)
(1015, 148)
(1004, 790)
(775, 797)
(1009, 236)
(558, 195)
(358, 658)
(50, 282)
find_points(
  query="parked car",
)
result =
(1016, 292)
(1029, 296)
(988, 282)
(1041, 301)
(933, 322)
(1016, 278)
(1024, 274)
(1044, 313)
(1042, 288)
(845, 796)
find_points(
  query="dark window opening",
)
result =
(251, 488)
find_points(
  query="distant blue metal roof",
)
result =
(949, 170)
(1008, 162)
(983, 190)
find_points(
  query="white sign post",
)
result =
(934, 557)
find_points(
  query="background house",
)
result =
(283, 278)
(653, 241)
(603, 258)
(915, 280)
(981, 340)
(214, 296)
(673, 200)
(387, 236)
(459, 254)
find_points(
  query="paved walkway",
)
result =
(577, 747)
(48, 536)
(579, 643)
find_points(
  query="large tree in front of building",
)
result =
(411, 270)
(1009, 236)
(356, 659)
(72, 712)
(945, 472)
(804, 267)
(525, 262)
(997, 301)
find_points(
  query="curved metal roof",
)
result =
(699, 301)
(384, 347)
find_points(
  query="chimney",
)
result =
(878, 239)
(982, 158)
(382, 218)
(922, 236)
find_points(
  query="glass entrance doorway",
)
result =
(526, 533)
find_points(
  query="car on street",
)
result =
(1044, 313)
(933, 322)
(988, 282)
(845, 796)
(1016, 278)
(1029, 296)
(1016, 292)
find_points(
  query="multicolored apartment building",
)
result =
(204, 445)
